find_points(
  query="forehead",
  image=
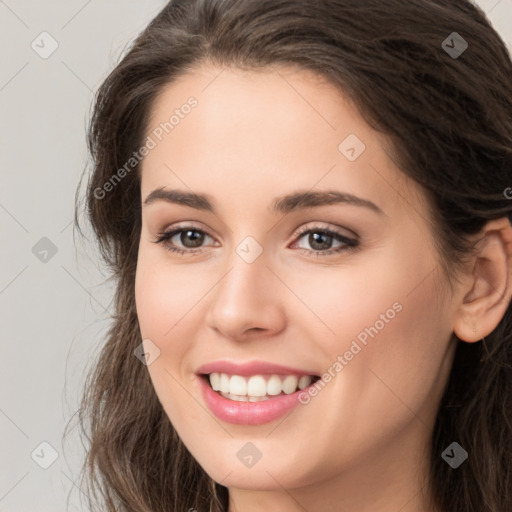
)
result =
(263, 101)
(266, 130)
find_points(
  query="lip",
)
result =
(250, 368)
(248, 413)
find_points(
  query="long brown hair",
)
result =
(449, 118)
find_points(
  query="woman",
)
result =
(305, 207)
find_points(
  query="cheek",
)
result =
(165, 294)
(165, 298)
(388, 326)
(393, 354)
(387, 297)
(169, 298)
(347, 300)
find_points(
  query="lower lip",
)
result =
(248, 413)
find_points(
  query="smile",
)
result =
(257, 387)
(253, 400)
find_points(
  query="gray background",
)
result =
(55, 305)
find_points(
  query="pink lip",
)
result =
(250, 368)
(248, 413)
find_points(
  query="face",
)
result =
(309, 255)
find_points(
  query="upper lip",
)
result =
(250, 368)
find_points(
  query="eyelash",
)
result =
(350, 244)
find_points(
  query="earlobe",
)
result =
(490, 286)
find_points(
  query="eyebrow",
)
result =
(282, 204)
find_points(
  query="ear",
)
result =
(490, 285)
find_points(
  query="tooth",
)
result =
(305, 381)
(274, 385)
(215, 381)
(290, 384)
(237, 385)
(257, 386)
(258, 398)
(224, 383)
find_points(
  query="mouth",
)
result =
(256, 388)
(253, 392)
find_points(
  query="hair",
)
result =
(449, 123)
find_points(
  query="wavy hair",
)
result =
(449, 121)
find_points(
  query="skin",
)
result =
(363, 442)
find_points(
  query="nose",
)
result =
(246, 302)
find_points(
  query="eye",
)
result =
(319, 238)
(189, 236)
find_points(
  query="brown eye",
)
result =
(190, 238)
(320, 240)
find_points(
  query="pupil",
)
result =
(196, 238)
(314, 237)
